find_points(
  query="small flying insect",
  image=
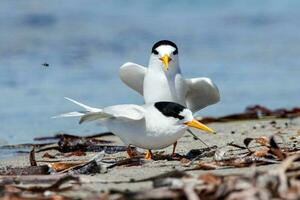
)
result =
(45, 64)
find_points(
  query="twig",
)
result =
(197, 138)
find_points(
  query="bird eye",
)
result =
(155, 52)
(175, 52)
(180, 117)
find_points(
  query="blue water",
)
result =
(249, 48)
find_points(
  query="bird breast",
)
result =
(160, 87)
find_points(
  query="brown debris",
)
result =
(269, 152)
(261, 153)
(75, 153)
(255, 112)
(201, 153)
(21, 171)
(32, 157)
(48, 155)
(276, 150)
(281, 182)
(55, 187)
(262, 140)
(66, 135)
(70, 143)
(64, 166)
(206, 166)
(210, 178)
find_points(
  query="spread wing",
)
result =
(201, 92)
(133, 76)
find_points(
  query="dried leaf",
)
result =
(210, 178)
(264, 141)
(261, 153)
(206, 166)
(47, 155)
(76, 153)
(62, 166)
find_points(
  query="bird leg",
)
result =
(149, 155)
(131, 153)
(174, 148)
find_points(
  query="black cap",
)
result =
(170, 109)
(164, 42)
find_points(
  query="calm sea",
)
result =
(249, 48)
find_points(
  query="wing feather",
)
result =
(133, 76)
(202, 92)
(122, 112)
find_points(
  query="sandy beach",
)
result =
(130, 178)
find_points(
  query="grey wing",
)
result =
(133, 76)
(128, 112)
(201, 92)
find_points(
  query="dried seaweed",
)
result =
(255, 112)
(75, 153)
(200, 153)
(281, 182)
(56, 187)
(21, 171)
(72, 147)
(60, 136)
(48, 155)
(32, 157)
(67, 143)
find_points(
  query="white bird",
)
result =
(163, 81)
(150, 126)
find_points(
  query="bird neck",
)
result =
(157, 66)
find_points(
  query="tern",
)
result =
(163, 81)
(150, 126)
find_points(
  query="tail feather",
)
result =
(71, 114)
(87, 108)
(89, 114)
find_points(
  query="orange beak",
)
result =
(166, 60)
(196, 124)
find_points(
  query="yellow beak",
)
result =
(195, 124)
(165, 60)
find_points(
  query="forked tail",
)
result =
(88, 114)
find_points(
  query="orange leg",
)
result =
(131, 153)
(149, 155)
(174, 148)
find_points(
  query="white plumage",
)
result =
(151, 126)
(163, 81)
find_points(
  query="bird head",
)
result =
(182, 115)
(165, 53)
